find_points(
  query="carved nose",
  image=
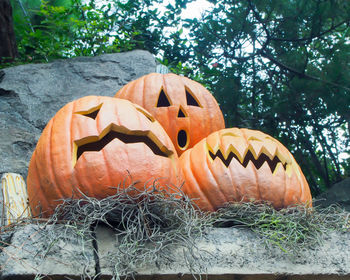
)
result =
(181, 113)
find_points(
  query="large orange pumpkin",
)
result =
(92, 144)
(233, 165)
(187, 110)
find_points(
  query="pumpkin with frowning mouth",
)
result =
(233, 165)
(92, 144)
(187, 110)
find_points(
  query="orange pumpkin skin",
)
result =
(187, 110)
(91, 144)
(215, 179)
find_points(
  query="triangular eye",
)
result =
(191, 100)
(92, 113)
(181, 113)
(163, 100)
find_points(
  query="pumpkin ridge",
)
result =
(212, 126)
(42, 164)
(285, 179)
(210, 168)
(132, 85)
(195, 189)
(106, 165)
(72, 145)
(248, 155)
(143, 89)
(194, 174)
(56, 189)
(234, 183)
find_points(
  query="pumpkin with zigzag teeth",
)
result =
(233, 165)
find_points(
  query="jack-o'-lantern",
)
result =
(92, 144)
(234, 165)
(187, 110)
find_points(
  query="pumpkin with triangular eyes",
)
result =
(187, 110)
(234, 165)
(92, 144)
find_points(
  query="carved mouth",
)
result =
(182, 139)
(97, 143)
(249, 157)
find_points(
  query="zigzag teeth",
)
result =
(257, 148)
(270, 149)
(261, 149)
(284, 155)
(240, 152)
(278, 167)
(236, 144)
(248, 158)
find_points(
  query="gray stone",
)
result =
(31, 94)
(47, 250)
(337, 194)
(222, 253)
(237, 251)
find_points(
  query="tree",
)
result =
(8, 48)
(65, 28)
(282, 66)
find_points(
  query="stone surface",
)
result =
(223, 253)
(47, 250)
(237, 251)
(337, 194)
(31, 94)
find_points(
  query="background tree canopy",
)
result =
(280, 66)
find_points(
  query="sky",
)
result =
(195, 9)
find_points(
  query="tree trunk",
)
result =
(8, 47)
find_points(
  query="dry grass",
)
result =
(293, 229)
(151, 221)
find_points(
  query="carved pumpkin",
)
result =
(91, 144)
(242, 165)
(187, 110)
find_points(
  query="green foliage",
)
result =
(62, 29)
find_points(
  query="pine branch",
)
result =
(298, 73)
(309, 38)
